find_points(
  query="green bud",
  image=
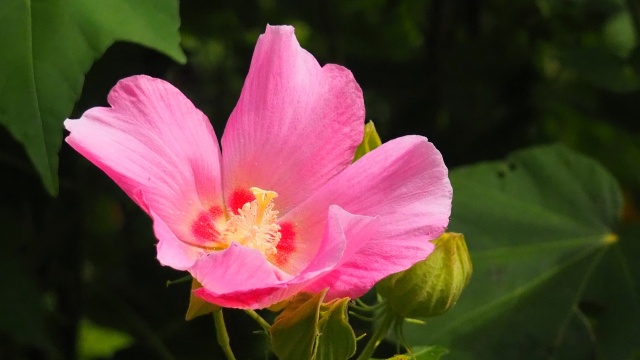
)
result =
(370, 141)
(431, 286)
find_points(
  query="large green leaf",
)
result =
(538, 226)
(47, 47)
(611, 303)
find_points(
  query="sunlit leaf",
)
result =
(97, 342)
(46, 49)
(538, 226)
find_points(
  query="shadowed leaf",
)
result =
(48, 47)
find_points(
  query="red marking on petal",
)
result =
(238, 198)
(216, 211)
(203, 228)
(287, 243)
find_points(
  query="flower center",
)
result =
(254, 225)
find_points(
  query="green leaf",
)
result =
(611, 304)
(370, 141)
(97, 342)
(294, 331)
(429, 352)
(423, 353)
(336, 339)
(46, 49)
(537, 226)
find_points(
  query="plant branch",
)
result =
(262, 322)
(377, 337)
(222, 335)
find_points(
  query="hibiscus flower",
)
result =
(281, 208)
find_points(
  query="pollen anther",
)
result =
(255, 224)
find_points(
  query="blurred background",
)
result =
(480, 79)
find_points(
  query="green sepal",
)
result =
(294, 331)
(336, 338)
(370, 141)
(309, 329)
(197, 306)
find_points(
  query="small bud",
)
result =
(431, 286)
(370, 141)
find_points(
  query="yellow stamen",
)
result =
(263, 200)
(255, 224)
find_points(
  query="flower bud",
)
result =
(370, 141)
(431, 286)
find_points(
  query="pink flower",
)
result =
(281, 209)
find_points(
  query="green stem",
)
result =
(183, 279)
(377, 337)
(262, 322)
(361, 317)
(364, 306)
(222, 335)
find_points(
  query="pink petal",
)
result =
(296, 124)
(246, 281)
(236, 268)
(239, 277)
(249, 299)
(171, 251)
(354, 231)
(343, 234)
(160, 150)
(405, 183)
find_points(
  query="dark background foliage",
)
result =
(480, 79)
